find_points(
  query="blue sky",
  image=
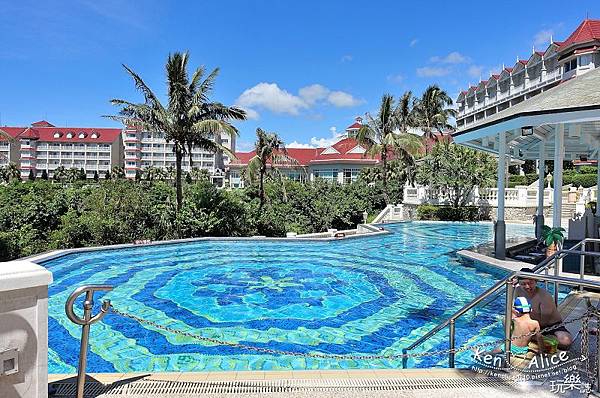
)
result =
(303, 69)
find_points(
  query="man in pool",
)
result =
(543, 309)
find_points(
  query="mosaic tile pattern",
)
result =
(360, 296)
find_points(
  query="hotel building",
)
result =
(144, 149)
(43, 146)
(560, 61)
(340, 162)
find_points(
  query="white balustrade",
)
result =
(520, 196)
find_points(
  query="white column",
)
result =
(598, 182)
(559, 151)
(500, 246)
(541, 169)
(539, 219)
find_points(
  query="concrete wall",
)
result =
(24, 327)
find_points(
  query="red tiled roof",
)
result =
(524, 62)
(105, 135)
(306, 156)
(588, 30)
(302, 155)
(42, 123)
(508, 69)
(355, 125)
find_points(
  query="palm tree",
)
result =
(387, 135)
(270, 152)
(433, 112)
(188, 120)
(59, 173)
(13, 172)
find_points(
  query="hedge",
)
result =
(527, 179)
(448, 213)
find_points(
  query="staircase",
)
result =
(566, 212)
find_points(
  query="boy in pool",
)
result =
(523, 326)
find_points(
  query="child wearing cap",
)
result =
(523, 327)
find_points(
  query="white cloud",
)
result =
(313, 93)
(329, 141)
(271, 97)
(341, 99)
(542, 38)
(322, 142)
(432, 71)
(251, 114)
(398, 78)
(347, 58)
(275, 99)
(475, 71)
(413, 42)
(452, 58)
(296, 144)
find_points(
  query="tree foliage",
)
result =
(386, 135)
(188, 120)
(455, 171)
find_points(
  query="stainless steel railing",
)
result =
(554, 261)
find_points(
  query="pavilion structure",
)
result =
(562, 123)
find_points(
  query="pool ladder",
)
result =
(85, 322)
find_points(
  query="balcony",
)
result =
(526, 87)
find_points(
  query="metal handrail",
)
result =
(555, 259)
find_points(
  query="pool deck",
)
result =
(314, 384)
(485, 254)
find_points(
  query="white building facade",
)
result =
(340, 163)
(45, 147)
(143, 150)
(560, 61)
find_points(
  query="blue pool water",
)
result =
(360, 296)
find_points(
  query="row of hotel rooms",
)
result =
(560, 61)
(45, 147)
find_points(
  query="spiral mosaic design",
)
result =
(358, 297)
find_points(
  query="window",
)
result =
(330, 175)
(350, 175)
(585, 59)
(69, 135)
(295, 175)
(570, 65)
(95, 135)
(82, 135)
(57, 135)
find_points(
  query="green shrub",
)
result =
(587, 170)
(577, 180)
(526, 179)
(427, 212)
(448, 213)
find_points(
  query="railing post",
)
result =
(582, 265)
(510, 290)
(557, 267)
(452, 341)
(404, 358)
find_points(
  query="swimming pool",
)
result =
(362, 296)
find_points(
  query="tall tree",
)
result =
(386, 135)
(270, 153)
(189, 119)
(433, 113)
